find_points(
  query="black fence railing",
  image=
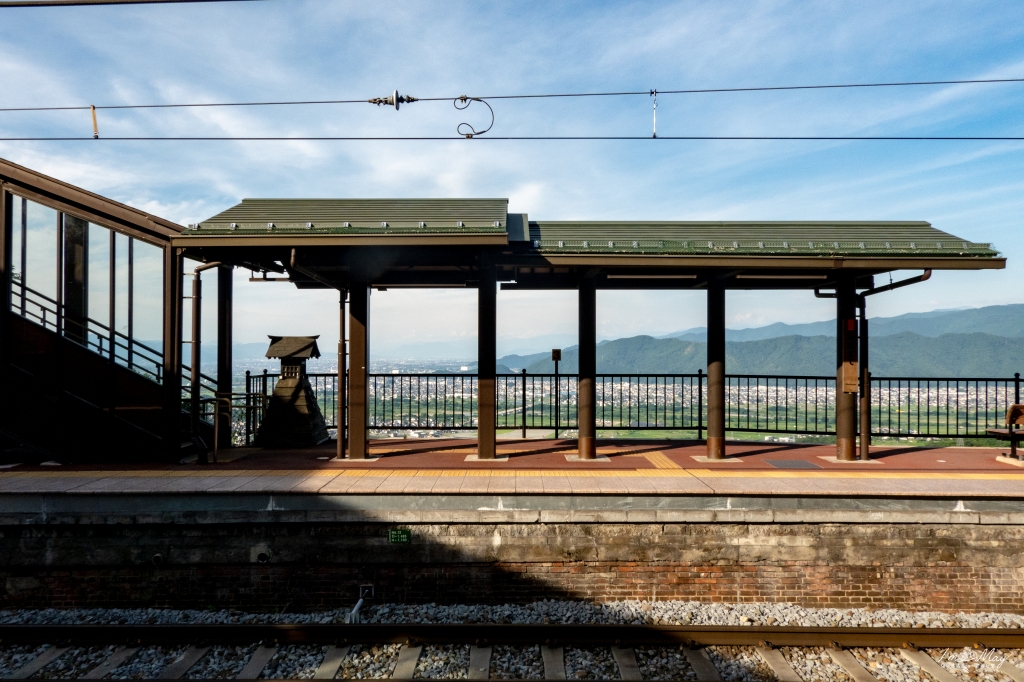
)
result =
(93, 334)
(97, 337)
(772, 404)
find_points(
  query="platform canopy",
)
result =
(444, 242)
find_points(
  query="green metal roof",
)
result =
(834, 238)
(360, 217)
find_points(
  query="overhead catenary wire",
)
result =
(692, 91)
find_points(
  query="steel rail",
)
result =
(485, 633)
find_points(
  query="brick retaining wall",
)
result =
(951, 566)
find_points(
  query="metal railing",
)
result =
(97, 337)
(771, 404)
(90, 333)
(914, 406)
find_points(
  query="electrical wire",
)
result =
(974, 81)
(442, 138)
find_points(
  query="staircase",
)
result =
(67, 403)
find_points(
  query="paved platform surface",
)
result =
(540, 467)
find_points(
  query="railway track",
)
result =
(703, 652)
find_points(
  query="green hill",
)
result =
(901, 354)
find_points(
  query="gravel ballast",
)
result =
(740, 664)
(590, 663)
(444, 662)
(365, 662)
(221, 662)
(664, 663)
(296, 662)
(14, 656)
(147, 662)
(75, 662)
(888, 665)
(545, 611)
(814, 664)
(516, 663)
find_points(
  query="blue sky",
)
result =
(328, 49)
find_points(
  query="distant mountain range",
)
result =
(978, 342)
(998, 320)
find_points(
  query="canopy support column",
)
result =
(171, 367)
(865, 384)
(342, 390)
(487, 360)
(847, 376)
(587, 388)
(716, 369)
(225, 304)
(359, 366)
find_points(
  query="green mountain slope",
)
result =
(902, 354)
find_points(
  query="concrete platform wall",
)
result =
(269, 560)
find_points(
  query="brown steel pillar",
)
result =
(847, 379)
(865, 386)
(587, 389)
(716, 369)
(171, 367)
(359, 367)
(76, 278)
(342, 390)
(225, 370)
(487, 360)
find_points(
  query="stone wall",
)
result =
(267, 564)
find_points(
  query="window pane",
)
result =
(41, 262)
(147, 317)
(99, 288)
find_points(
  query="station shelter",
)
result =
(356, 245)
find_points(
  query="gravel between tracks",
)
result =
(888, 666)
(364, 662)
(444, 662)
(813, 664)
(294, 662)
(590, 663)
(740, 664)
(14, 656)
(221, 662)
(75, 662)
(970, 664)
(516, 663)
(548, 611)
(146, 663)
(664, 663)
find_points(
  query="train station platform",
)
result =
(914, 528)
(550, 467)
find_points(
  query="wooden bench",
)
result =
(1013, 431)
